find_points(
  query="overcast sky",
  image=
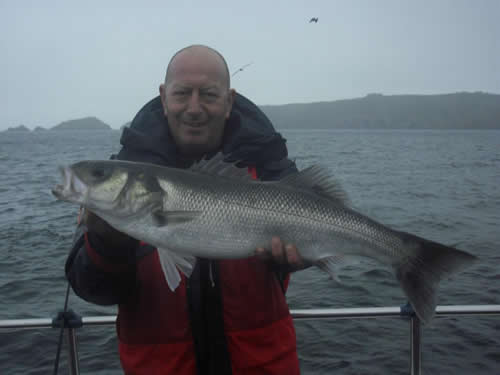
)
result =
(63, 60)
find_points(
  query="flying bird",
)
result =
(314, 19)
(241, 69)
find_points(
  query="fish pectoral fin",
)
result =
(170, 263)
(164, 218)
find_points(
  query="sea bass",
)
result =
(216, 210)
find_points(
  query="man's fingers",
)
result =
(292, 255)
(286, 256)
(263, 253)
(277, 250)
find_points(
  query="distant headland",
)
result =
(464, 110)
(86, 123)
(376, 111)
(20, 128)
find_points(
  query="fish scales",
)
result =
(266, 209)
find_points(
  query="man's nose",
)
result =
(194, 105)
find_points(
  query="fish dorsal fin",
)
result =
(318, 180)
(217, 166)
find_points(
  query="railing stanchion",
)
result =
(74, 363)
(415, 346)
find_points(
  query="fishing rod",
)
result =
(66, 319)
(62, 318)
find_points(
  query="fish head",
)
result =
(112, 188)
(93, 184)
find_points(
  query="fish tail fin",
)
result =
(420, 275)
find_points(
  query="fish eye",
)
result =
(98, 173)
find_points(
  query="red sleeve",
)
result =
(253, 172)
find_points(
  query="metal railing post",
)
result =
(415, 346)
(74, 362)
(69, 321)
(408, 312)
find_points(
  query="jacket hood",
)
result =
(249, 136)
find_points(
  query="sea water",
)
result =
(441, 185)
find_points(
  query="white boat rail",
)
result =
(73, 321)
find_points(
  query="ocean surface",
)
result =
(441, 185)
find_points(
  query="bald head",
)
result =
(202, 55)
(197, 100)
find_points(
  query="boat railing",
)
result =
(73, 321)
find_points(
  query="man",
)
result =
(230, 316)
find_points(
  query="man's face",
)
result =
(196, 102)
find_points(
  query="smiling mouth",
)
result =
(195, 125)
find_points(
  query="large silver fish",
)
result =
(215, 210)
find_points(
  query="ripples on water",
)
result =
(442, 185)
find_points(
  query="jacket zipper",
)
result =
(210, 273)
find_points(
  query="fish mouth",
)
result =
(72, 189)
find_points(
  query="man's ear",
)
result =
(163, 97)
(231, 97)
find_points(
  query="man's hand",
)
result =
(287, 257)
